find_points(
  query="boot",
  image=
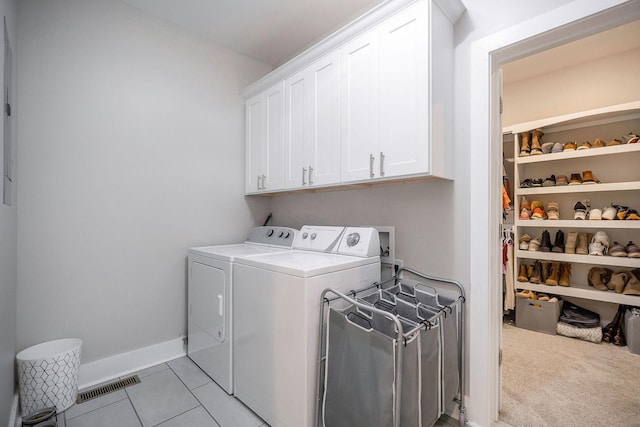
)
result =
(565, 275)
(546, 270)
(536, 143)
(537, 272)
(529, 271)
(522, 276)
(609, 331)
(599, 277)
(555, 274)
(558, 246)
(545, 246)
(618, 337)
(570, 244)
(633, 285)
(582, 244)
(619, 281)
(525, 145)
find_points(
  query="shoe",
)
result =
(547, 147)
(546, 271)
(575, 179)
(598, 143)
(534, 245)
(621, 211)
(570, 243)
(614, 142)
(619, 281)
(595, 214)
(525, 204)
(632, 215)
(536, 142)
(584, 145)
(536, 182)
(570, 146)
(580, 209)
(582, 245)
(562, 180)
(537, 209)
(599, 277)
(549, 181)
(537, 272)
(530, 270)
(522, 275)
(617, 250)
(525, 145)
(601, 237)
(632, 250)
(552, 211)
(523, 242)
(553, 299)
(609, 213)
(545, 245)
(596, 248)
(558, 245)
(543, 297)
(525, 293)
(553, 278)
(631, 138)
(525, 214)
(557, 148)
(565, 274)
(633, 285)
(587, 178)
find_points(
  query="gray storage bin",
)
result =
(539, 316)
(632, 330)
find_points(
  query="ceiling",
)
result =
(612, 42)
(272, 31)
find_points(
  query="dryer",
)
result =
(210, 298)
(277, 298)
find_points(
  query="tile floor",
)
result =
(172, 394)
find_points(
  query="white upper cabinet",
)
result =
(312, 120)
(264, 134)
(377, 105)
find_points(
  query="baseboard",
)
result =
(13, 416)
(106, 369)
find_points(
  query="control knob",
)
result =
(353, 239)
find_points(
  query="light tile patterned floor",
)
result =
(172, 394)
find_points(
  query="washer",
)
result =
(277, 298)
(210, 298)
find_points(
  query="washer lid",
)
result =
(306, 263)
(230, 252)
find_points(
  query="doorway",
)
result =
(565, 24)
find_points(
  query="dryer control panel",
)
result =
(272, 236)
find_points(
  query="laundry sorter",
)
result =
(391, 354)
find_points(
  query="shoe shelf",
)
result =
(610, 261)
(576, 223)
(582, 188)
(581, 291)
(580, 154)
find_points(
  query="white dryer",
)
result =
(277, 298)
(210, 298)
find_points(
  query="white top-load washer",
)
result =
(277, 300)
(210, 298)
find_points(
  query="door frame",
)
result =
(567, 23)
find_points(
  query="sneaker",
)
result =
(584, 145)
(549, 181)
(631, 138)
(534, 245)
(525, 214)
(595, 214)
(632, 215)
(580, 211)
(632, 250)
(596, 248)
(575, 179)
(523, 242)
(617, 250)
(562, 180)
(621, 211)
(557, 148)
(609, 213)
(601, 237)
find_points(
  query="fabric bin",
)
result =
(48, 375)
(539, 316)
(632, 330)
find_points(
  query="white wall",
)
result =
(582, 87)
(131, 150)
(8, 249)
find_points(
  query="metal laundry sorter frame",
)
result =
(401, 347)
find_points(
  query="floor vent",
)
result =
(107, 388)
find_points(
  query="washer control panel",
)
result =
(273, 236)
(360, 241)
(320, 238)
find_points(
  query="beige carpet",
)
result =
(553, 381)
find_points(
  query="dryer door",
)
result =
(207, 300)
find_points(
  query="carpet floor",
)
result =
(554, 381)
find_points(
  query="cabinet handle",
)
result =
(371, 159)
(259, 187)
(304, 172)
(381, 163)
(310, 179)
(264, 187)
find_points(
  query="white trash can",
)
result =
(48, 375)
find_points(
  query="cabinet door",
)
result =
(322, 148)
(297, 126)
(359, 108)
(273, 146)
(254, 137)
(404, 93)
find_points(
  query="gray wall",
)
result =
(131, 150)
(8, 248)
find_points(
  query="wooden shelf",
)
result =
(580, 154)
(582, 291)
(576, 223)
(580, 188)
(611, 261)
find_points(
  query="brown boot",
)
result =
(570, 244)
(546, 270)
(537, 272)
(633, 285)
(555, 274)
(599, 277)
(525, 144)
(529, 271)
(619, 281)
(582, 245)
(522, 276)
(536, 143)
(565, 275)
